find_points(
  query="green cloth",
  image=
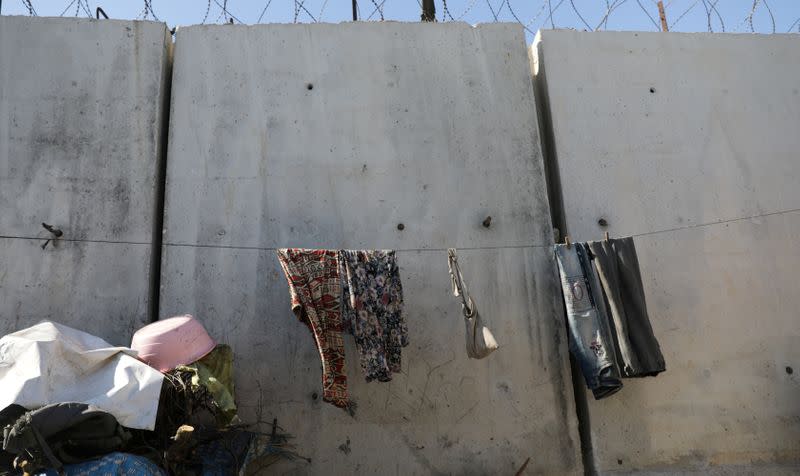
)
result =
(215, 373)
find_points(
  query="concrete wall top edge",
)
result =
(668, 36)
(82, 21)
(366, 25)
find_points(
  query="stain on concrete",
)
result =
(445, 442)
(345, 447)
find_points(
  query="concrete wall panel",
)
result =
(703, 167)
(81, 115)
(330, 136)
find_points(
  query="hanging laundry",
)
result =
(372, 305)
(480, 340)
(315, 287)
(354, 291)
(638, 351)
(590, 338)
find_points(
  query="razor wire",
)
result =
(754, 16)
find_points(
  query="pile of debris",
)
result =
(71, 404)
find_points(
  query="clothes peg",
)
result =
(606, 235)
(566, 241)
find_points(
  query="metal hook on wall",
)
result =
(57, 233)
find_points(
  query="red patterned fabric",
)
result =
(316, 292)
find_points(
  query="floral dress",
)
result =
(372, 305)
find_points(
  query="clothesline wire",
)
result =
(399, 250)
(402, 250)
(256, 248)
(719, 222)
(72, 240)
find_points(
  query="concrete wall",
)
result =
(330, 136)
(81, 112)
(703, 170)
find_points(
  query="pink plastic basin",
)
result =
(172, 342)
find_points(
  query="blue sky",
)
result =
(682, 15)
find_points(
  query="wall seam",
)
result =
(557, 216)
(157, 236)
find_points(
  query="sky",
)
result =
(782, 16)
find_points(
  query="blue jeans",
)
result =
(590, 338)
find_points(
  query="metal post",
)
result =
(428, 10)
(663, 16)
(355, 10)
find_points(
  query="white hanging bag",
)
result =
(480, 341)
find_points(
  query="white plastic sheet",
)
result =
(52, 363)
